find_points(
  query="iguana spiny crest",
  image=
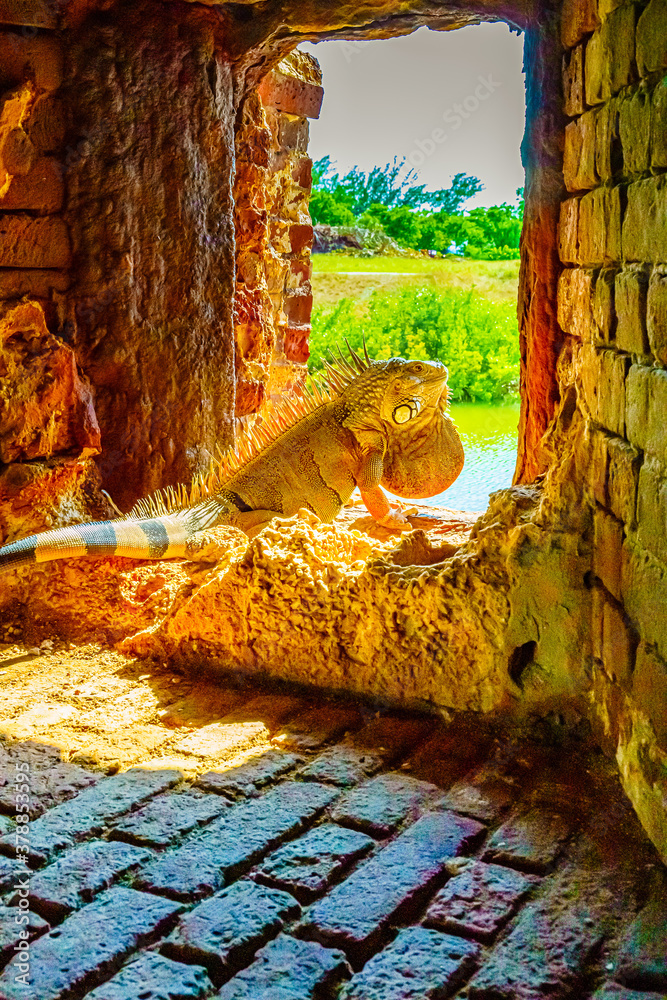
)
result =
(370, 424)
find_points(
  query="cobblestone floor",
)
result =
(275, 848)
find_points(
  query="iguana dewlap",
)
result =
(377, 423)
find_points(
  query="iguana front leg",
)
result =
(377, 504)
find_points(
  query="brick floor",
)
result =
(400, 859)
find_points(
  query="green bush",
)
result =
(492, 253)
(476, 338)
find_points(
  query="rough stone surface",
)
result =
(381, 805)
(51, 780)
(223, 933)
(233, 843)
(15, 928)
(152, 977)
(355, 914)
(306, 867)
(76, 878)
(642, 955)
(419, 964)
(479, 901)
(248, 779)
(92, 809)
(168, 817)
(612, 991)
(11, 871)
(530, 842)
(82, 951)
(290, 969)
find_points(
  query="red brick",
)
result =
(298, 308)
(294, 97)
(29, 242)
(41, 190)
(479, 901)
(419, 964)
(81, 874)
(223, 933)
(308, 866)
(89, 945)
(231, 845)
(300, 237)
(530, 842)
(296, 344)
(307, 970)
(356, 913)
(152, 976)
(302, 172)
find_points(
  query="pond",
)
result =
(489, 435)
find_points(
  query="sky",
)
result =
(447, 101)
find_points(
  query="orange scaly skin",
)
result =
(377, 423)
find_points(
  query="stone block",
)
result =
(649, 689)
(656, 439)
(641, 961)
(530, 841)
(578, 18)
(40, 284)
(618, 646)
(545, 951)
(40, 190)
(636, 404)
(356, 913)
(11, 871)
(80, 875)
(612, 991)
(482, 794)
(298, 308)
(316, 726)
(94, 808)
(291, 96)
(610, 54)
(300, 237)
(247, 780)
(52, 781)
(630, 302)
(656, 314)
(599, 229)
(232, 844)
(568, 226)
(296, 345)
(573, 81)
(575, 299)
(293, 133)
(608, 542)
(13, 931)
(45, 125)
(419, 964)
(624, 464)
(644, 232)
(479, 901)
(604, 313)
(39, 59)
(168, 817)
(602, 374)
(381, 805)
(223, 932)
(223, 739)
(343, 765)
(17, 154)
(644, 588)
(634, 127)
(652, 508)
(300, 970)
(29, 242)
(307, 867)
(90, 944)
(152, 977)
(579, 153)
(652, 38)
(29, 13)
(658, 142)
(608, 149)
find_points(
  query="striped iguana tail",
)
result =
(162, 537)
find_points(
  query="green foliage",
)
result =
(476, 338)
(413, 216)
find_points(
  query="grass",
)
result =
(336, 277)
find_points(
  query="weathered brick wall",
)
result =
(273, 297)
(612, 302)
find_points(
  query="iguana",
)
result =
(370, 423)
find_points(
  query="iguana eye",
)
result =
(418, 369)
(405, 412)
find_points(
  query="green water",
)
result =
(489, 435)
